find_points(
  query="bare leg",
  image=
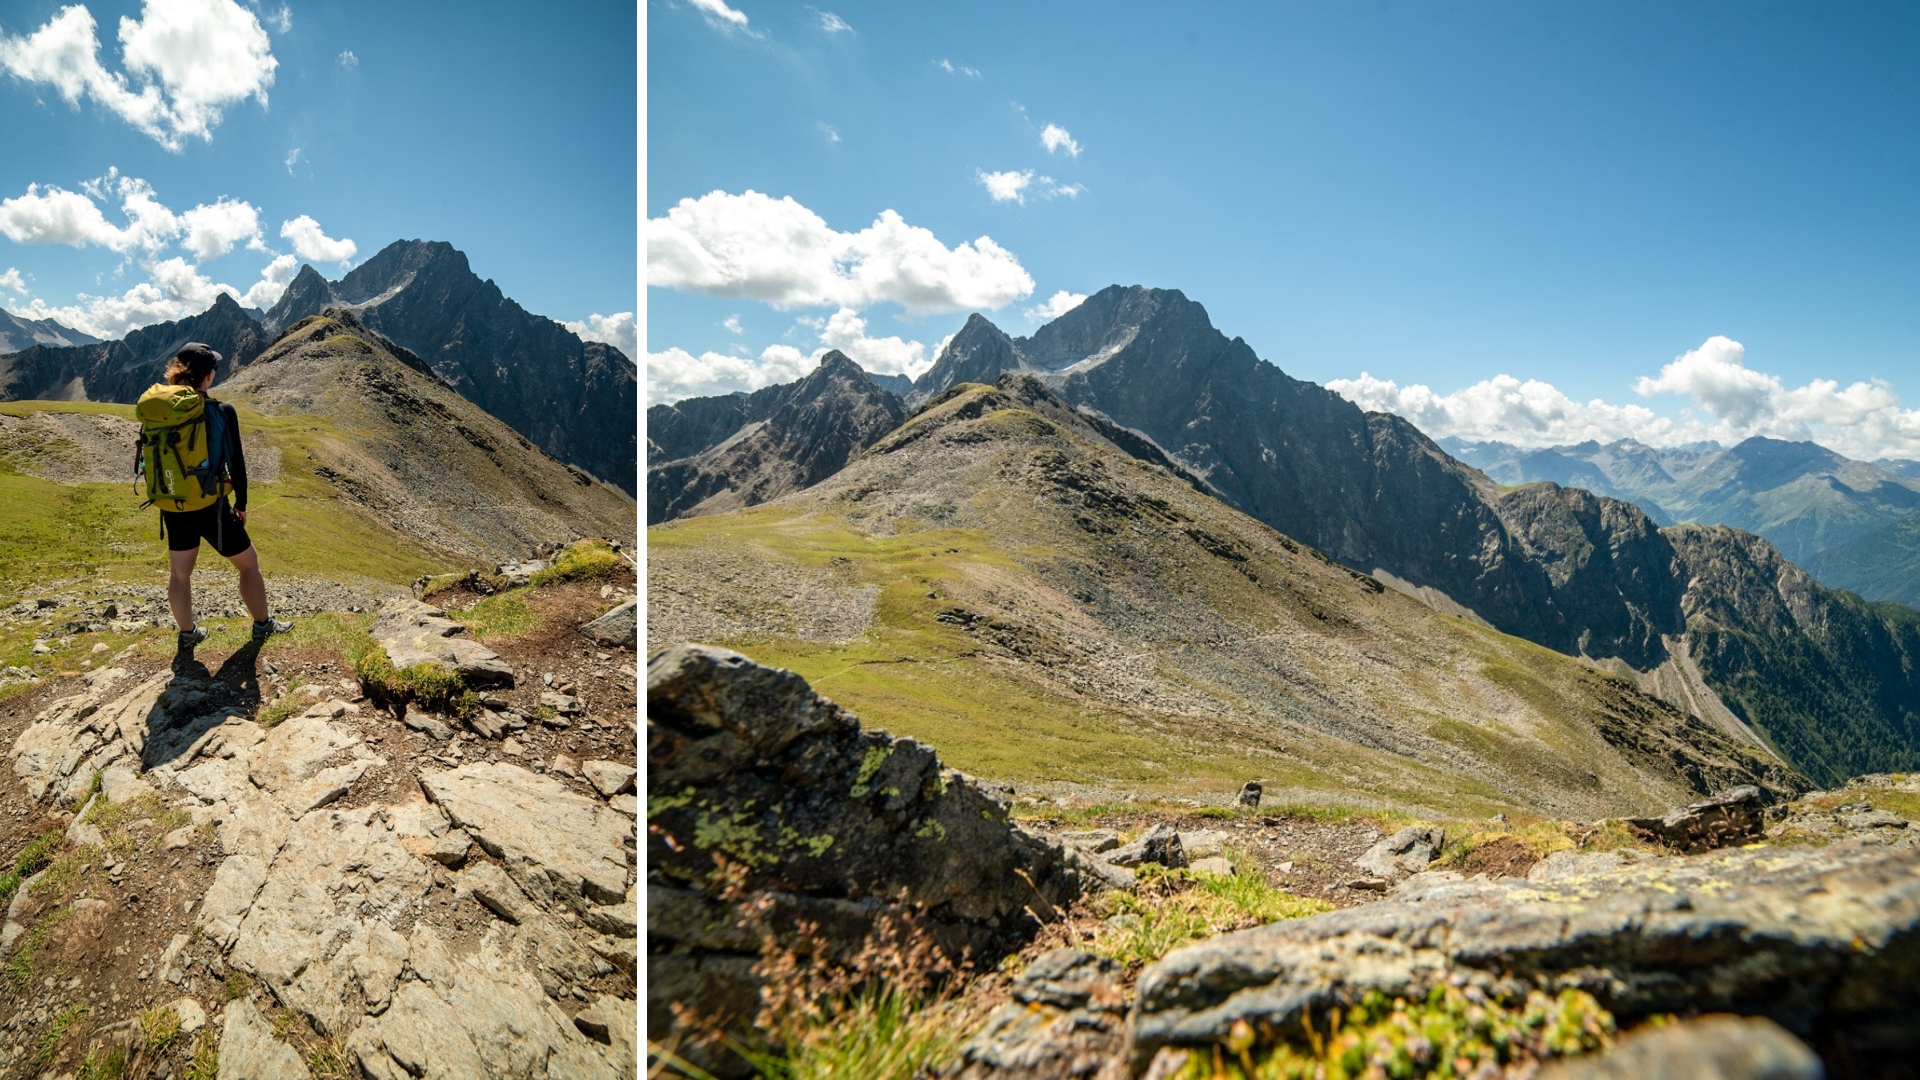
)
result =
(253, 587)
(180, 586)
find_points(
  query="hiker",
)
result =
(191, 458)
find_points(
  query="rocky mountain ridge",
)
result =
(17, 333)
(1582, 574)
(1802, 497)
(574, 399)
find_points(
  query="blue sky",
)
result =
(1538, 222)
(509, 136)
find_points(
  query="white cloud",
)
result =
(186, 61)
(293, 157)
(273, 282)
(213, 230)
(347, 60)
(1725, 401)
(59, 216)
(1009, 186)
(676, 373)
(616, 330)
(781, 253)
(832, 133)
(1057, 305)
(12, 280)
(281, 21)
(721, 17)
(731, 322)
(952, 68)
(847, 331)
(831, 23)
(1015, 185)
(315, 246)
(1054, 137)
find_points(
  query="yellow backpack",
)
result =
(176, 450)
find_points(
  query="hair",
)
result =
(191, 368)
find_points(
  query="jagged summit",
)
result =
(575, 399)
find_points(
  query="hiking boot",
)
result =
(269, 626)
(190, 638)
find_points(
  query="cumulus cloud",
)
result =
(12, 280)
(721, 17)
(1724, 401)
(781, 253)
(347, 60)
(314, 245)
(732, 324)
(1009, 186)
(273, 282)
(1057, 305)
(54, 215)
(1015, 185)
(1054, 137)
(616, 330)
(676, 373)
(831, 23)
(186, 62)
(213, 230)
(847, 331)
(952, 68)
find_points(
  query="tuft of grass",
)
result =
(1171, 908)
(330, 1061)
(881, 1032)
(22, 967)
(1449, 1032)
(289, 702)
(56, 1032)
(502, 616)
(583, 560)
(159, 1026)
(237, 987)
(1542, 838)
(428, 684)
(39, 852)
(104, 1065)
(205, 1063)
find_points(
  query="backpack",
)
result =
(182, 449)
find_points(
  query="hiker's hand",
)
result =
(242, 515)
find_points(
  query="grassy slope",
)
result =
(1046, 609)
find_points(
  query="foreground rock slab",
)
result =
(1819, 940)
(817, 821)
(1709, 1048)
(557, 844)
(417, 633)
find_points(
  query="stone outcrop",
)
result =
(1817, 940)
(326, 907)
(815, 820)
(1709, 1048)
(617, 629)
(1405, 852)
(1731, 817)
(1067, 1018)
(1159, 844)
(415, 633)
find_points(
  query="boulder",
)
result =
(1249, 796)
(1159, 844)
(558, 845)
(618, 628)
(609, 777)
(1067, 1018)
(819, 821)
(248, 1050)
(1094, 840)
(414, 633)
(1735, 816)
(1815, 939)
(1212, 864)
(1405, 852)
(1706, 1048)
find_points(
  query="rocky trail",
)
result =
(256, 863)
(1733, 937)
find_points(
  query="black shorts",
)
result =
(215, 524)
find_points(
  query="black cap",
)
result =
(199, 352)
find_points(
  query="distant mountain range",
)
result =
(17, 333)
(1713, 618)
(1852, 524)
(574, 399)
